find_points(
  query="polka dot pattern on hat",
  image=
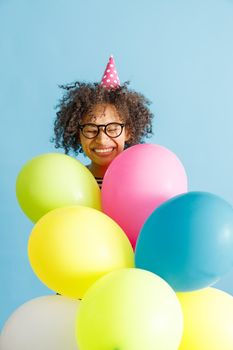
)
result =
(110, 78)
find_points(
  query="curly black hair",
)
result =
(80, 98)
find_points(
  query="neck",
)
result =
(97, 170)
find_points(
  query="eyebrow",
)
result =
(109, 122)
(93, 120)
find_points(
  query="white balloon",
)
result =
(44, 323)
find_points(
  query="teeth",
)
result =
(106, 150)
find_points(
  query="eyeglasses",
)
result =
(90, 131)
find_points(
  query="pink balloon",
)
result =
(138, 181)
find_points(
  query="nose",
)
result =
(101, 137)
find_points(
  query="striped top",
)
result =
(99, 181)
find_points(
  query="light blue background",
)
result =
(178, 53)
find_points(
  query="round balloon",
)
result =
(138, 181)
(208, 320)
(55, 180)
(70, 248)
(43, 323)
(188, 241)
(129, 309)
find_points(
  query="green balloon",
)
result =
(129, 309)
(55, 180)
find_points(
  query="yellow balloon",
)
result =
(55, 180)
(208, 320)
(70, 248)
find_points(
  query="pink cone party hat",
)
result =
(110, 78)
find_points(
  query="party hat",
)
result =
(110, 78)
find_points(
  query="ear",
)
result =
(127, 134)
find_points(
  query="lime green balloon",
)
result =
(55, 180)
(129, 309)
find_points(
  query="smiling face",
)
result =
(103, 149)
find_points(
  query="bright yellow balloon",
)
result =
(208, 320)
(70, 248)
(129, 309)
(55, 180)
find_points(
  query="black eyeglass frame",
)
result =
(98, 126)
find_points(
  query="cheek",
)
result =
(121, 143)
(85, 144)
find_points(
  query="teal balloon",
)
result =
(188, 241)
